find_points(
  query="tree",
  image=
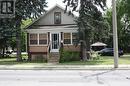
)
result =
(8, 35)
(123, 23)
(26, 9)
(7, 31)
(90, 18)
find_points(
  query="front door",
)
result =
(55, 42)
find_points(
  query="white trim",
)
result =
(47, 40)
(55, 50)
(37, 45)
(29, 39)
(70, 38)
(38, 40)
(52, 30)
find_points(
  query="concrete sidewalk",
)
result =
(49, 66)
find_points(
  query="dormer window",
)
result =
(57, 18)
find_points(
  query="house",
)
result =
(47, 33)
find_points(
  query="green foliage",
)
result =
(92, 26)
(123, 24)
(26, 23)
(67, 56)
(25, 9)
(95, 55)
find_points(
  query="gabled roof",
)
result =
(46, 14)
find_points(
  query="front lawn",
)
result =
(104, 60)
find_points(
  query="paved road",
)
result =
(64, 78)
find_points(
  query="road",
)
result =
(64, 77)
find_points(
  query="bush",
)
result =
(67, 56)
(95, 55)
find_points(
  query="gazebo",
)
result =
(98, 46)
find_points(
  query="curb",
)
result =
(63, 68)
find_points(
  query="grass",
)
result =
(12, 61)
(104, 60)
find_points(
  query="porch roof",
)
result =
(66, 28)
(53, 26)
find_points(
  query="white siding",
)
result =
(48, 19)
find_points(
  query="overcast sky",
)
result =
(52, 3)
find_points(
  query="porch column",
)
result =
(48, 38)
(61, 42)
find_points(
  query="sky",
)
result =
(52, 3)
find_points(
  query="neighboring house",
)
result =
(46, 34)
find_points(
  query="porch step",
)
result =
(54, 57)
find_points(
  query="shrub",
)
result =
(95, 55)
(67, 56)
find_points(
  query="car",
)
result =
(109, 52)
(9, 51)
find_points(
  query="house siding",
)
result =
(38, 57)
(38, 49)
(49, 18)
(71, 48)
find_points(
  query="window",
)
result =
(57, 18)
(7, 7)
(67, 38)
(74, 38)
(33, 39)
(42, 39)
(38, 39)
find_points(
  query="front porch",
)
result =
(46, 48)
(46, 41)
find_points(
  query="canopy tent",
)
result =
(98, 44)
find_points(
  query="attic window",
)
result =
(57, 18)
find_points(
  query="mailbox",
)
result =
(7, 8)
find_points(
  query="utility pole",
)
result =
(115, 36)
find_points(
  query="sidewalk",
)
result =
(49, 66)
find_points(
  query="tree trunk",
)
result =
(83, 51)
(88, 49)
(18, 37)
(18, 41)
(3, 52)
